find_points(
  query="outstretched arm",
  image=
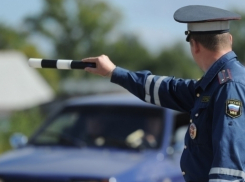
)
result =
(177, 94)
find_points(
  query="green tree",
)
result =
(128, 52)
(25, 122)
(13, 39)
(74, 34)
(238, 32)
(175, 61)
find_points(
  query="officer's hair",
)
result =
(213, 42)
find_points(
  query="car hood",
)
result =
(69, 161)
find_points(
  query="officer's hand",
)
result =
(104, 66)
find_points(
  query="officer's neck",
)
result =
(207, 58)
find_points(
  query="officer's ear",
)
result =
(231, 39)
(195, 46)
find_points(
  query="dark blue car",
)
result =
(109, 138)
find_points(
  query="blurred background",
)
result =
(137, 35)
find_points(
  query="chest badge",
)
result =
(192, 130)
(233, 108)
(205, 99)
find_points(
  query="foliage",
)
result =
(175, 61)
(129, 53)
(25, 122)
(16, 40)
(74, 34)
(238, 32)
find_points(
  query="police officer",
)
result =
(215, 141)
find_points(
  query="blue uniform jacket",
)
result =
(215, 141)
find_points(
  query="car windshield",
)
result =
(125, 127)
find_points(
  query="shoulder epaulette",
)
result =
(224, 76)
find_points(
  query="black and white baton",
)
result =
(59, 64)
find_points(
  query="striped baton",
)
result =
(59, 64)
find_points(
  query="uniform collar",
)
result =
(214, 69)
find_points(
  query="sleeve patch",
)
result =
(233, 108)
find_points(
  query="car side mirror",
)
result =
(18, 140)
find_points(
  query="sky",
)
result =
(151, 20)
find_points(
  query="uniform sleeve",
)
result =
(177, 94)
(228, 134)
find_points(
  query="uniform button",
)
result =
(198, 95)
(183, 173)
(190, 120)
(185, 147)
(196, 114)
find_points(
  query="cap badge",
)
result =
(192, 131)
